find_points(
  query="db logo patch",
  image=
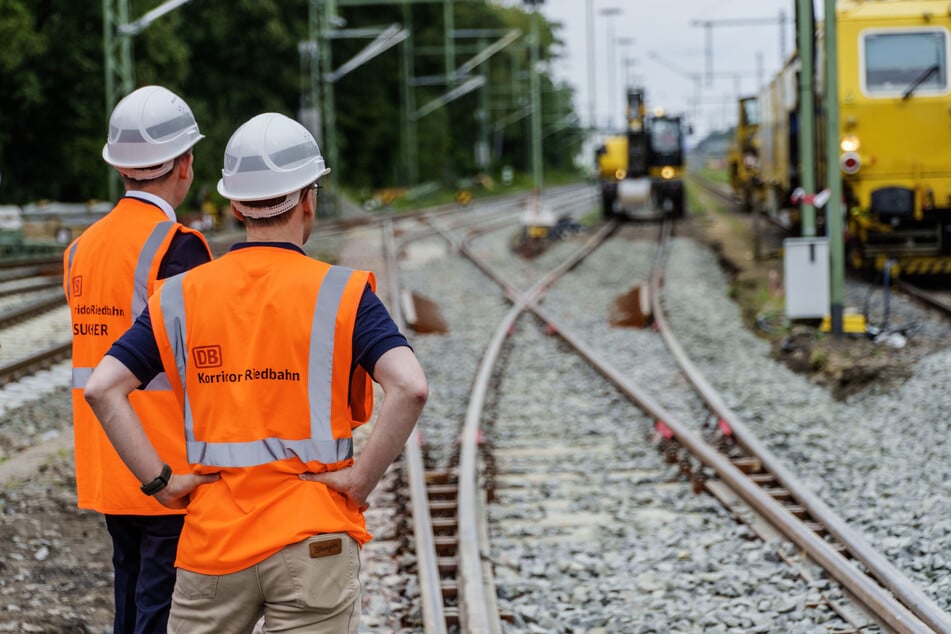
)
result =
(77, 285)
(207, 356)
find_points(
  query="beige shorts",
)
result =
(312, 586)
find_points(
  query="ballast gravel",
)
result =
(891, 486)
(594, 531)
(595, 488)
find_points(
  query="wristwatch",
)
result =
(156, 485)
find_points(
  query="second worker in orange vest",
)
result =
(271, 355)
(109, 273)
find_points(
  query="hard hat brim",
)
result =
(115, 161)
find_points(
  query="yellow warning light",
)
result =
(850, 143)
(667, 172)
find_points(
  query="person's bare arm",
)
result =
(405, 392)
(107, 392)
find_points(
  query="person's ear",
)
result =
(309, 201)
(185, 164)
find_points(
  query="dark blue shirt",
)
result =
(374, 333)
(186, 251)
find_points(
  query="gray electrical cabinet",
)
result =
(806, 277)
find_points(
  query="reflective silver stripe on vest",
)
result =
(140, 298)
(158, 384)
(321, 446)
(69, 271)
(140, 293)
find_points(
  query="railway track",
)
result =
(31, 307)
(770, 487)
(30, 290)
(751, 472)
(557, 517)
(23, 267)
(929, 295)
(442, 529)
(30, 295)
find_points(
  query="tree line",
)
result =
(232, 60)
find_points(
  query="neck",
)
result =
(295, 229)
(286, 233)
(165, 191)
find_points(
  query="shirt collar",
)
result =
(281, 245)
(155, 200)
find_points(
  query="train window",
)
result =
(750, 111)
(665, 136)
(902, 61)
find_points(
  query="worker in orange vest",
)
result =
(109, 272)
(272, 355)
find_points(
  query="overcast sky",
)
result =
(669, 54)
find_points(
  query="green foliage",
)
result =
(16, 32)
(232, 60)
(48, 90)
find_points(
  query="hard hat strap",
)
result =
(147, 173)
(269, 211)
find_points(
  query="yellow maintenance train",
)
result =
(641, 172)
(894, 134)
(743, 155)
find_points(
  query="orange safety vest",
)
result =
(258, 347)
(109, 273)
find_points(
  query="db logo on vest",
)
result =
(207, 356)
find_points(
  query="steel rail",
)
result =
(500, 222)
(871, 594)
(897, 614)
(494, 219)
(884, 605)
(14, 369)
(860, 585)
(479, 611)
(886, 573)
(434, 615)
(500, 210)
(474, 616)
(503, 210)
(7, 289)
(44, 260)
(434, 618)
(8, 275)
(934, 300)
(32, 309)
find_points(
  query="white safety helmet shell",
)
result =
(151, 125)
(271, 155)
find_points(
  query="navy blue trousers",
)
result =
(143, 558)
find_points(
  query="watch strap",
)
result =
(159, 483)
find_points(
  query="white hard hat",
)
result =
(149, 128)
(270, 156)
